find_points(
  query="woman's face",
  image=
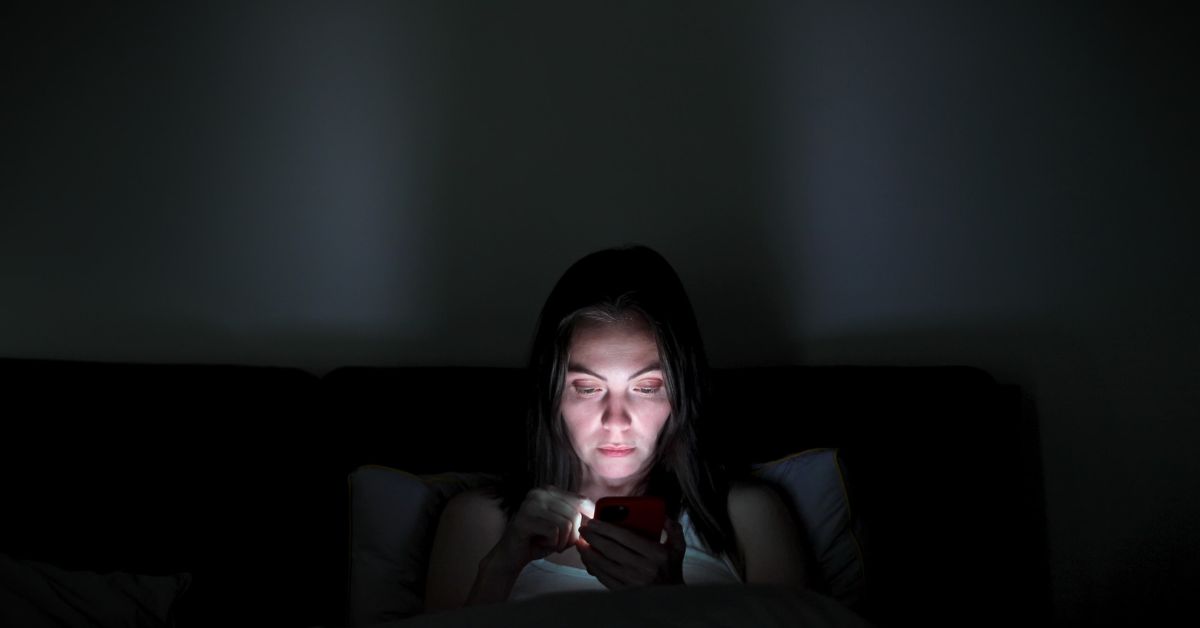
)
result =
(614, 399)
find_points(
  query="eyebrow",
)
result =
(579, 368)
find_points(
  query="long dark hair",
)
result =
(604, 285)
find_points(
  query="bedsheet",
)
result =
(705, 606)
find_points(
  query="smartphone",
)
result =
(643, 514)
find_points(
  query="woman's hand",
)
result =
(548, 521)
(620, 558)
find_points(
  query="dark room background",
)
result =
(1004, 185)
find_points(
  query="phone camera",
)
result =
(614, 513)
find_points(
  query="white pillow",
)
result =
(394, 515)
(813, 481)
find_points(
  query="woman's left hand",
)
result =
(620, 558)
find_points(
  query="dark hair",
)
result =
(607, 285)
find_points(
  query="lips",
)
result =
(616, 451)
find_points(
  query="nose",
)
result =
(615, 416)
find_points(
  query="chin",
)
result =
(618, 469)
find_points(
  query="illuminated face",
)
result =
(614, 397)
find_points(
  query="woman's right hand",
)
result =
(548, 521)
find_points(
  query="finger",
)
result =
(540, 524)
(542, 539)
(604, 569)
(587, 508)
(565, 533)
(571, 513)
(610, 548)
(546, 530)
(560, 507)
(546, 503)
(629, 539)
(567, 507)
(563, 516)
(574, 501)
(562, 534)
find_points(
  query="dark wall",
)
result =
(319, 184)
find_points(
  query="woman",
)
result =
(619, 384)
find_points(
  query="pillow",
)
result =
(813, 483)
(394, 515)
(36, 595)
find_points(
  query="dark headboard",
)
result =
(238, 474)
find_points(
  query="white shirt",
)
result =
(699, 567)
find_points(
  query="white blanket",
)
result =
(723, 606)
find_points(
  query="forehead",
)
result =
(628, 336)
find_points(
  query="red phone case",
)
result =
(644, 514)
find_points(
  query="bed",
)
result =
(229, 490)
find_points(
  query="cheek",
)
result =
(658, 419)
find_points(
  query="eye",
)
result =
(589, 391)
